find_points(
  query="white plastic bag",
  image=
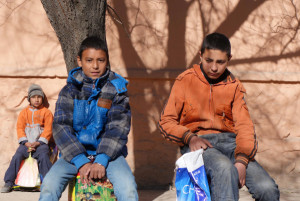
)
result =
(28, 175)
(191, 181)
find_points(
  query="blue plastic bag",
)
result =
(191, 181)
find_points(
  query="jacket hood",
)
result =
(77, 77)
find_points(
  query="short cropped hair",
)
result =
(216, 41)
(93, 42)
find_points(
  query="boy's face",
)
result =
(36, 101)
(93, 62)
(214, 62)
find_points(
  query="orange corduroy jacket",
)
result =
(197, 107)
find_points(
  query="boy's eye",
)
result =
(209, 60)
(221, 62)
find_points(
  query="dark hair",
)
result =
(93, 42)
(216, 41)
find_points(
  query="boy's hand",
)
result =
(28, 145)
(97, 172)
(199, 143)
(35, 144)
(241, 168)
(84, 173)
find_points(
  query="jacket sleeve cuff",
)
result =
(80, 160)
(23, 142)
(242, 158)
(102, 159)
(42, 139)
(187, 136)
(22, 139)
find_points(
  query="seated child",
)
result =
(34, 129)
(207, 110)
(92, 120)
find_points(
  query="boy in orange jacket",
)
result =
(34, 130)
(207, 110)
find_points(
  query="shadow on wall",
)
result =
(155, 157)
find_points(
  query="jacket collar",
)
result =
(77, 77)
(34, 108)
(225, 78)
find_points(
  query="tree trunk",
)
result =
(73, 21)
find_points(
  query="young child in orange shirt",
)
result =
(34, 130)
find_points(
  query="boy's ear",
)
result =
(79, 61)
(200, 55)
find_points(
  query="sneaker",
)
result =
(6, 188)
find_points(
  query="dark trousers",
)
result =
(41, 154)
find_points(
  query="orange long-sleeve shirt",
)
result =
(31, 118)
(196, 107)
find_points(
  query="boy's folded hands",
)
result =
(32, 146)
(90, 172)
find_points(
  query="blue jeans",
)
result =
(223, 177)
(117, 171)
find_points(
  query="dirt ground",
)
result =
(145, 195)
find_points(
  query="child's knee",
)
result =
(223, 171)
(43, 148)
(19, 156)
(224, 165)
(266, 190)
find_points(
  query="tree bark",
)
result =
(73, 21)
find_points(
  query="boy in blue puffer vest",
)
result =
(92, 120)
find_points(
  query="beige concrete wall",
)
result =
(165, 37)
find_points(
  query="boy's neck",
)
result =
(215, 81)
(39, 107)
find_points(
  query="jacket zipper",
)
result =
(32, 121)
(210, 106)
